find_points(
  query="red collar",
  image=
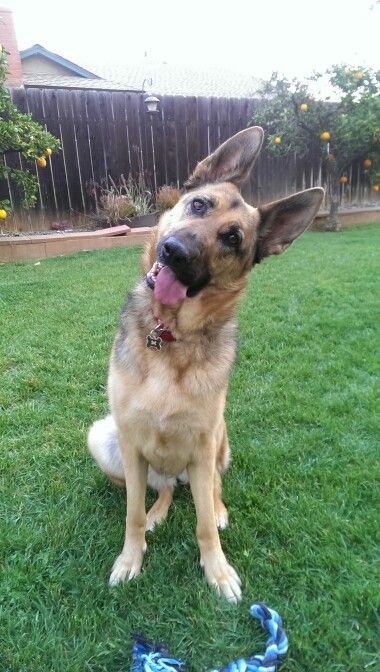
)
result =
(165, 334)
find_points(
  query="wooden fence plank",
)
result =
(94, 121)
(146, 126)
(108, 136)
(69, 150)
(134, 133)
(122, 150)
(258, 179)
(171, 148)
(235, 121)
(49, 97)
(193, 152)
(246, 112)
(298, 173)
(145, 143)
(214, 133)
(183, 169)
(83, 149)
(203, 117)
(158, 127)
(224, 119)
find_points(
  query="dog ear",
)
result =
(231, 162)
(283, 221)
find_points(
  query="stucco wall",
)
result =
(39, 65)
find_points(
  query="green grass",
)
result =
(302, 415)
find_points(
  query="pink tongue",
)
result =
(167, 288)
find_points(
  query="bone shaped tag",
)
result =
(153, 342)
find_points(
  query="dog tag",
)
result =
(154, 342)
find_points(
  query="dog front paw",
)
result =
(221, 576)
(126, 567)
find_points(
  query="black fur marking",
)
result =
(121, 346)
(195, 289)
(257, 253)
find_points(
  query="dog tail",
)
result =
(103, 445)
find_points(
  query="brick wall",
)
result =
(9, 43)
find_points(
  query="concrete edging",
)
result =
(35, 248)
(348, 218)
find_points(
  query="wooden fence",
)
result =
(105, 134)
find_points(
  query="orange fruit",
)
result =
(3, 214)
(304, 107)
(48, 151)
(375, 187)
(277, 140)
(367, 163)
(41, 162)
(343, 179)
(325, 136)
(358, 75)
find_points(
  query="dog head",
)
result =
(212, 237)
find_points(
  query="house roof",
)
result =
(70, 82)
(39, 50)
(159, 77)
(167, 79)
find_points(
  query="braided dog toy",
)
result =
(148, 657)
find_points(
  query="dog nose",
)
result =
(174, 252)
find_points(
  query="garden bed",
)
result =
(52, 244)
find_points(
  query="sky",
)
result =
(291, 37)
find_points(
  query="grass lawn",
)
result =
(302, 416)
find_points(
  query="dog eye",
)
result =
(232, 238)
(198, 206)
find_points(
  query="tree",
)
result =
(339, 129)
(19, 133)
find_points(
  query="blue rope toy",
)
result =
(148, 657)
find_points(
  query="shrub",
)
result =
(127, 199)
(167, 197)
(116, 206)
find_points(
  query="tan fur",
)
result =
(168, 406)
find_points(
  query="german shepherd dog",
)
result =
(175, 347)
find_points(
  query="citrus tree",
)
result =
(19, 133)
(339, 128)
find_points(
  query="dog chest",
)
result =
(167, 442)
(164, 424)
